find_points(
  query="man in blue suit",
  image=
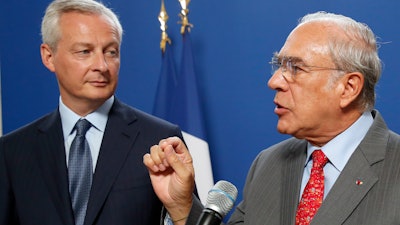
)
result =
(81, 45)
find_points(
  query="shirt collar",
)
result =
(97, 118)
(339, 149)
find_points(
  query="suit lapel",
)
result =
(293, 169)
(352, 185)
(119, 136)
(52, 162)
(357, 178)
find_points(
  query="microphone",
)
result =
(220, 201)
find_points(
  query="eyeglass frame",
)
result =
(294, 64)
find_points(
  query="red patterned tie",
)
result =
(313, 193)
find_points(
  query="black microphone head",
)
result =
(222, 197)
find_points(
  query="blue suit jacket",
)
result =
(33, 172)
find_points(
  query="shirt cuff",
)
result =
(168, 220)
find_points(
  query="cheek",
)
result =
(67, 81)
(311, 102)
(114, 71)
(305, 98)
(318, 104)
(69, 73)
(113, 67)
(67, 66)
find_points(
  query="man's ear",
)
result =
(352, 86)
(47, 56)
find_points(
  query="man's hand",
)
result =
(171, 172)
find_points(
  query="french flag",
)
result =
(178, 101)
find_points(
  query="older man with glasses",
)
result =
(342, 164)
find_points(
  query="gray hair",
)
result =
(357, 53)
(50, 29)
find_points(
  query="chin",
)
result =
(283, 126)
(287, 129)
(98, 96)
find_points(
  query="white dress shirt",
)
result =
(338, 151)
(94, 135)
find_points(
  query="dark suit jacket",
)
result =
(33, 172)
(367, 192)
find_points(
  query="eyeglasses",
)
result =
(291, 66)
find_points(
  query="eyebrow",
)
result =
(289, 58)
(90, 45)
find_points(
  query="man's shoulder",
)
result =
(26, 138)
(39, 123)
(288, 146)
(132, 113)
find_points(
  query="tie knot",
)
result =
(319, 158)
(82, 126)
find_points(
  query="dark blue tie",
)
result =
(80, 171)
